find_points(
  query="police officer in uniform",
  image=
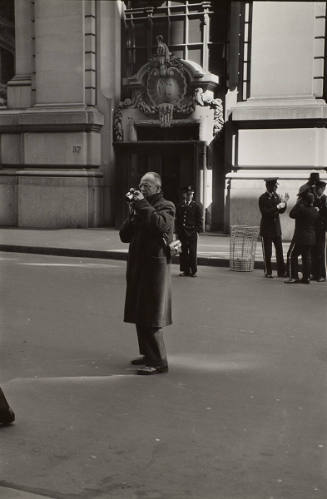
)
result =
(189, 219)
(271, 205)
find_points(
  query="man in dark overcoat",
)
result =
(311, 183)
(271, 205)
(306, 217)
(319, 249)
(309, 186)
(188, 224)
(148, 228)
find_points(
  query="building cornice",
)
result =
(280, 123)
(304, 108)
(50, 120)
(29, 171)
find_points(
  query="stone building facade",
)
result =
(217, 94)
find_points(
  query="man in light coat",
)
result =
(148, 229)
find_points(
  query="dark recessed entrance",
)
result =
(149, 132)
(178, 162)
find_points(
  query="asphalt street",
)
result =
(242, 413)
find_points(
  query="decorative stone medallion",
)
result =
(168, 88)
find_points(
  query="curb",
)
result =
(110, 255)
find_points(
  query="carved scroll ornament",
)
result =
(206, 99)
(118, 132)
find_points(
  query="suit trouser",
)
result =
(305, 252)
(288, 261)
(188, 256)
(151, 345)
(319, 256)
(267, 242)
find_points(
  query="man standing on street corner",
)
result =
(271, 205)
(310, 185)
(306, 216)
(189, 220)
(319, 250)
(148, 228)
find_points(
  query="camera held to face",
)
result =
(130, 195)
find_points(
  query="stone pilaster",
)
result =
(53, 143)
(59, 51)
(108, 52)
(282, 49)
(19, 90)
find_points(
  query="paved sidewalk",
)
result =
(213, 248)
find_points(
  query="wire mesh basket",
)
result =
(243, 245)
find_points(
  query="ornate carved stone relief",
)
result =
(168, 88)
(206, 99)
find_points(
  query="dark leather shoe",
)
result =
(140, 361)
(305, 281)
(148, 370)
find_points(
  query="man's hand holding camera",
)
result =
(137, 196)
(133, 195)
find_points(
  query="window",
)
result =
(193, 30)
(245, 51)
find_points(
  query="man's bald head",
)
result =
(150, 184)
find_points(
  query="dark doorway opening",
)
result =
(189, 131)
(178, 163)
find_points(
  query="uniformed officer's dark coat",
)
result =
(270, 222)
(148, 291)
(306, 218)
(188, 219)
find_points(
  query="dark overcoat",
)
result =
(306, 218)
(321, 203)
(188, 219)
(270, 222)
(148, 290)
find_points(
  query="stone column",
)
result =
(54, 140)
(108, 90)
(282, 49)
(19, 93)
(59, 48)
